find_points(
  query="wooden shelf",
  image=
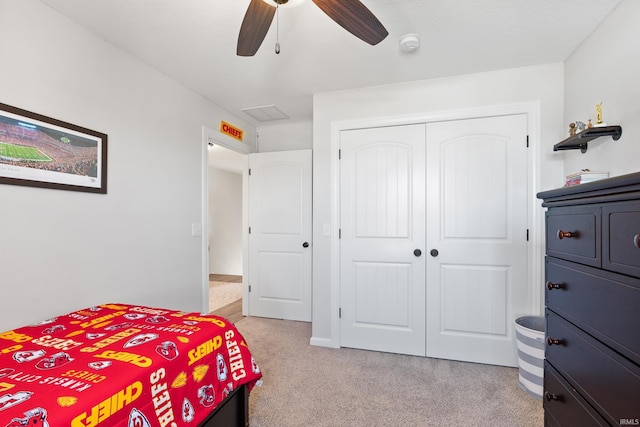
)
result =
(580, 140)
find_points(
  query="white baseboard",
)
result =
(323, 342)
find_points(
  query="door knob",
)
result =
(434, 253)
(305, 245)
(417, 252)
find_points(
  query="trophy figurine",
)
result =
(599, 121)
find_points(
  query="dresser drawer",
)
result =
(606, 380)
(605, 305)
(563, 406)
(573, 233)
(621, 238)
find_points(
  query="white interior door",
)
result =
(280, 235)
(382, 223)
(477, 222)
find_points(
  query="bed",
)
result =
(126, 365)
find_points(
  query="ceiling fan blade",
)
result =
(354, 17)
(254, 27)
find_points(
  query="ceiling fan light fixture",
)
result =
(409, 42)
(284, 3)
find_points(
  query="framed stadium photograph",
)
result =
(39, 151)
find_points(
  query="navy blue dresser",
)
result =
(592, 299)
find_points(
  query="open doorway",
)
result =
(225, 197)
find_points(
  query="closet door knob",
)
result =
(434, 252)
(305, 245)
(636, 241)
(417, 252)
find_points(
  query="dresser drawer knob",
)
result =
(552, 341)
(566, 234)
(550, 396)
(636, 241)
(551, 286)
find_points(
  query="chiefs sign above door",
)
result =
(280, 235)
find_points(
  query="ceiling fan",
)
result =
(351, 15)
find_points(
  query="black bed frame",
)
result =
(232, 412)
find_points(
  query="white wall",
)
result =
(279, 136)
(542, 85)
(606, 69)
(63, 250)
(225, 222)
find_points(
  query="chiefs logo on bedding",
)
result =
(55, 361)
(140, 339)
(118, 326)
(100, 364)
(53, 329)
(228, 389)
(168, 350)
(187, 411)
(28, 355)
(157, 319)
(36, 417)
(206, 395)
(95, 336)
(137, 419)
(6, 371)
(254, 366)
(222, 367)
(134, 316)
(9, 400)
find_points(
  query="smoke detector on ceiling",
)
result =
(409, 42)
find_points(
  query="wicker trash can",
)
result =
(530, 340)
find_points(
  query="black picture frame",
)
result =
(39, 151)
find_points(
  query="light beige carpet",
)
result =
(223, 293)
(316, 386)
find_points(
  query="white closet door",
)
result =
(477, 222)
(382, 223)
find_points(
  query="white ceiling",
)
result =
(194, 42)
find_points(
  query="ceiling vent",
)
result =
(266, 113)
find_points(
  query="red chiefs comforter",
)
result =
(121, 365)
